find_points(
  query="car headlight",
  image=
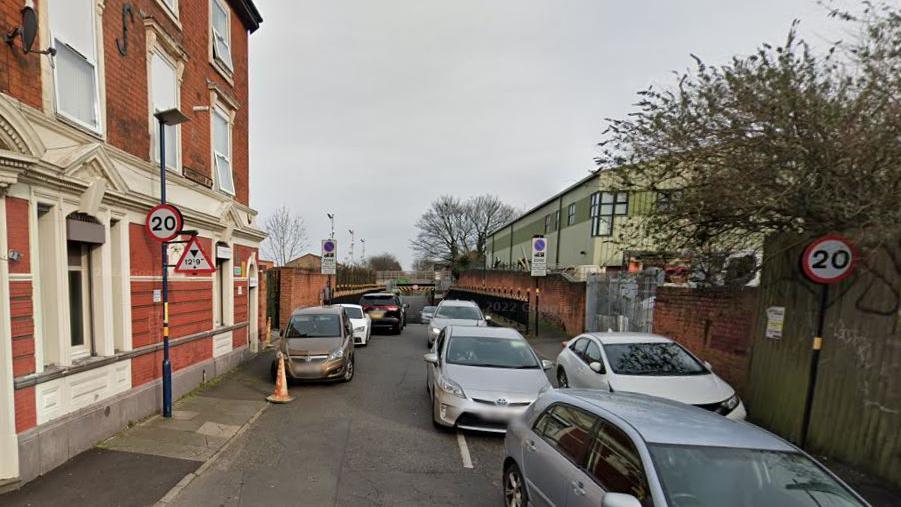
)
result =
(336, 354)
(435, 330)
(450, 387)
(359, 329)
(730, 404)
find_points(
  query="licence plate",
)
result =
(377, 314)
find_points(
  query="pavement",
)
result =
(369, 442)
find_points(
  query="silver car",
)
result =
(481, 377)
(453, 312)
(589, 447)
(426, 314)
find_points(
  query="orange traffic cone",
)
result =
(280, 395)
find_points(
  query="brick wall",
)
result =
(560, 301)
(21, 308)
(147, 367)
(298, 289)
(716, 325)
(20, 74)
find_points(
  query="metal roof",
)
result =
(663, 421)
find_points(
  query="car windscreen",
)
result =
(353, 312)
(745, 477)
(378, 301)
(652, 359)
(490, 352)
(458, 312)
(314, 326)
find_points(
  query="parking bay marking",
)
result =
(464, 451)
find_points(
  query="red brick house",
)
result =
(80, 317)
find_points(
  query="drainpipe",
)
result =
(559, 231)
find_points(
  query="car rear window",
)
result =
(378, 300)
(459, 312)
(314, 326)
(353, 312)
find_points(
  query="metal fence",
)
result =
(620, 301)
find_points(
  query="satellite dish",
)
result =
(28, 32)
(29, 28)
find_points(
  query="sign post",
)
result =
(329, 265)
(539, 268)
(825, 261)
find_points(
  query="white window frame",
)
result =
(571, 214)
(87, 312)
(605, 206)
(154, 123)
(171, 7)
(227, 64)
(92, 60)
(225, 115)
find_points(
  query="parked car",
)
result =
(454, 312)
(590, 447)
(426, 314)
(385, 310)
(318, 344)
(361, 323)
(480, 377)
(648, 364)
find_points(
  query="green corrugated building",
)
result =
(584, 226)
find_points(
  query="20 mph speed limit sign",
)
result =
(164, 222)
(829, 259)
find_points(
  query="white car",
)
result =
(647, 364)
(361, 322)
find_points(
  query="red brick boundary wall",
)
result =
(298, 289)
(717, 325)
(560, 301)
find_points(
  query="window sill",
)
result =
(81, 127)
(173, 16)
(223, 71)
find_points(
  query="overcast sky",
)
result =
(372, 108)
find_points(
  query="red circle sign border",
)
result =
(815, 243)
(181, 222)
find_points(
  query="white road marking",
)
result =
(464, 451)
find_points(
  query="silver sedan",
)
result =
(481, 377)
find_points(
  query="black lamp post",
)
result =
(169, 117)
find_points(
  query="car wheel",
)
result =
(515, 494)
(349, 371)
(562, 379)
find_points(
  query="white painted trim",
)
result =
(121, 251)
(9, 444)
(65, 395)
(20, 277)
(222, 344)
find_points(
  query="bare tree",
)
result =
(783, 140)
(383, 262)
(454, 233)
(485, 214)
(287, 236)
(443, 231)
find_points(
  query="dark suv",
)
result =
(385, 310)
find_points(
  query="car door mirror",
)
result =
(619, 500)
(708, 365)
(431, 358)
(488, 318)
(546, 365)
(597, 367)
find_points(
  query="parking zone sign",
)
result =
(539, 256)
(329, 259)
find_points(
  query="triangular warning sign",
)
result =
(194, 261)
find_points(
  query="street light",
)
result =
(169, 117)
(331, 219)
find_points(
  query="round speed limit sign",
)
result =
(164, 222)
(829, 259)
